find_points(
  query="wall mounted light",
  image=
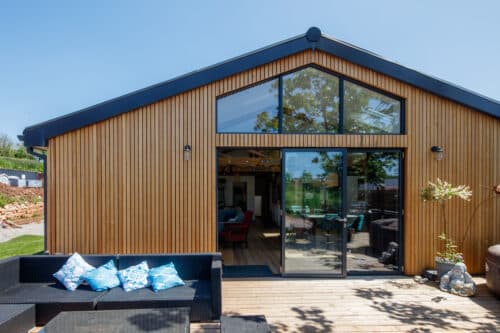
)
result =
(187, 152)
(438, 152)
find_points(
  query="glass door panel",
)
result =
(313, 229)
(373, 205)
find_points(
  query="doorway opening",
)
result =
(248, 214)
(310, 212)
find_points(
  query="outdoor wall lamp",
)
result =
(438, 152)
(187, 152)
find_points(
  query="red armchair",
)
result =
(237, 232)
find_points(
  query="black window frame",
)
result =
(341, 78)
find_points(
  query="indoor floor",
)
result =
(263, 248)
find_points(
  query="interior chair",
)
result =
(237, 232)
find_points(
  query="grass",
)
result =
(22, 245)
(13, 163)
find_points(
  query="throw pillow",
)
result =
(103, 278)
(134, 277)
(164, 277)
(71, 273)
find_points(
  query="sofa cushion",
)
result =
(50, 298)
(195, 294)
(164, 277)
(134, 277)
(189, 266)
(39, 268)
(71, 273)
(104, 277)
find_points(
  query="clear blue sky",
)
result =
(60, 56)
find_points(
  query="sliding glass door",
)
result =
(373, 204)
(313, 228)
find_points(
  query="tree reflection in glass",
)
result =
(367, 111)
(310, 102)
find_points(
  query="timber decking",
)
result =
(361, 304)
(358, 305)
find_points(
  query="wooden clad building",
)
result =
(147, 172)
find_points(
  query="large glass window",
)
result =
(310, 102)
(253, 110)
(367, 111)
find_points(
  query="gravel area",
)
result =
(26, 229)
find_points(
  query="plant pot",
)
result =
(443, 268)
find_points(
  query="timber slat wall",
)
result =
(123, 186)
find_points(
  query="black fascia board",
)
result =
(37, 135)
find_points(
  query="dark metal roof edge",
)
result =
(37, 135)
(412, 77)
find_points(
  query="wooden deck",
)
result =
(361, 304)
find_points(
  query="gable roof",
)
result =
(38, 135)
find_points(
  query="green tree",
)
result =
(6, 145)
(22, 153)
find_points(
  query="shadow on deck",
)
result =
(388, 304)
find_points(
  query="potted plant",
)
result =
(450, 256)
(440, 192)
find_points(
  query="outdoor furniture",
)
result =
(16, 318)
(244, 324)
(237, 232)
(202, 274)
(29, 280)
(493, 269)
(171, 320)
(382, 232)
(356, 222)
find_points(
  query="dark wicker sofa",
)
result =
(29, 280)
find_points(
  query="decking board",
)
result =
(360, 304)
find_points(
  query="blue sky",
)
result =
(60, 56)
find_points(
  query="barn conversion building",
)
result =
(306, 157)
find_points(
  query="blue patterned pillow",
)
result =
(103, 278)
(71, 273)
(134, 277)
(164, 277)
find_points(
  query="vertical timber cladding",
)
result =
(123, 186)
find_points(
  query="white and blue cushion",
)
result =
(134, 277)
(71, 273)
(103, 278)
(164, 277)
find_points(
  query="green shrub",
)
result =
(5, 200)
(20, 164)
